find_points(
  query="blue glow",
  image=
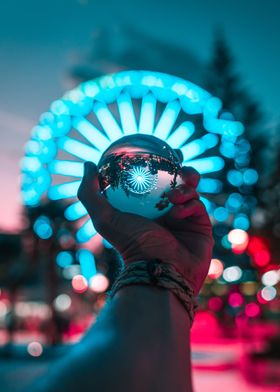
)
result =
(241, 221)
(208, 204)
(31, 164)
(67, 168)
(212, 107)
(64, 259)
(193, 149)
(181, 134)
(206, 165)
(75, 211)
(234, 202)
(90, 88)
(86, 232)
(91, 133)
(42, 132)
(147, 114)
(107, 121)
(221, 214)
(235, 177)
(243, 146)
(225, 242)
(228, 149)
(167, 120)
(250, 177)
(42, 227)
(127, 114)
(210, 185)
(61, 191)
(107, 244)
(199, 146)
(59, 107)
(79, 149)
(224, 127)
(87, 263)
(30, 197)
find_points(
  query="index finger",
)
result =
(190, 176)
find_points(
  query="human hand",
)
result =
(182, 237)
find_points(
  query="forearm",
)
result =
(152, 339)
(140, 342)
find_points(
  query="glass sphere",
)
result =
(137, 171)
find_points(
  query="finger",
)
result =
(190, 176)
(98, 207)
(192, 208)
(182, 194)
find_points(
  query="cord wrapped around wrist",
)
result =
(157, 273)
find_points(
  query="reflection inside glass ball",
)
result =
(136, 172)
(140, 180)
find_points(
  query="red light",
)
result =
(256, 244)
(215, 304)
(262, 257)
(252, 310)
(79, 283)
(235, 300)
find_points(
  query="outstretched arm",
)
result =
(140, 341)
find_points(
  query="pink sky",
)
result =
(14, 130)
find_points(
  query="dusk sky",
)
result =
(40, 40)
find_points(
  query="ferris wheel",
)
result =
(86, 120)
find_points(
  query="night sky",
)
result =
(40, 40)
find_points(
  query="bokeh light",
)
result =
(99, 283)
(35, 349)
(79, 284)
(235, 300)
(216, 268)
(268, 293)
(64, 259)
(232, 274)
(252, 310)
(42, 227)
(270, 278)
(62, 302)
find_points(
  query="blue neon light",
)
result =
(86, 231)
(42, 227)
(87, 263)
(147, 114)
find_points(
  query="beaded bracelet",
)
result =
(157, 273)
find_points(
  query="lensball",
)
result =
(137, 171)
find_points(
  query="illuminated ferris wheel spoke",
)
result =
(147, 114)
(91, 133)
(210, 185)
(181, 134)
(127, 114)
(167, 119)
(107, 121)
(61, 191)
(79, 149)
(206, 165)
(75, 211)
(199, 146)
(86, 232)
(66, 168)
